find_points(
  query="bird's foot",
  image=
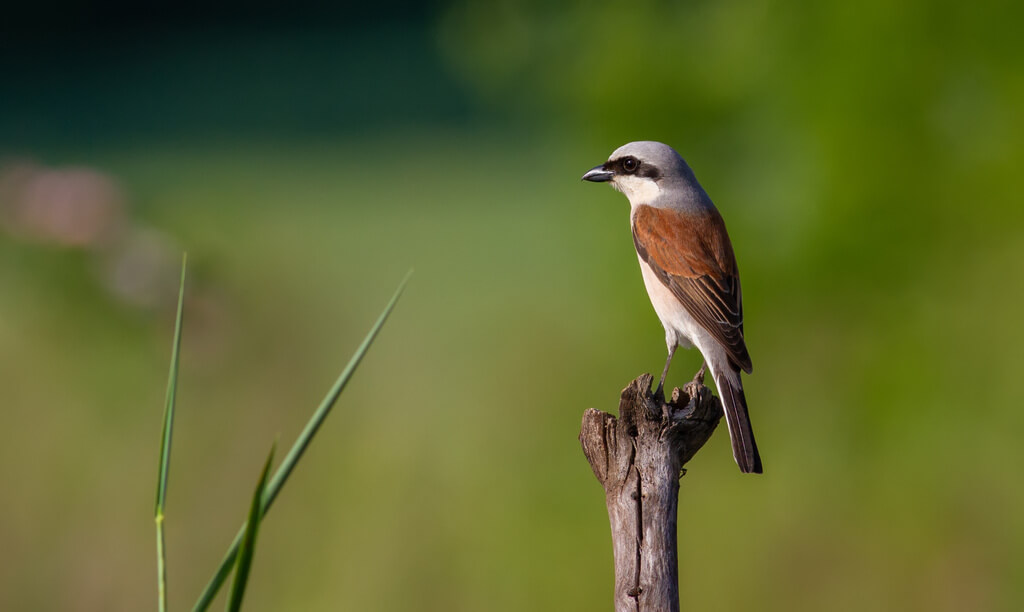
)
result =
(659, 393)
(699, 376)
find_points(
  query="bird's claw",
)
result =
(699, 376)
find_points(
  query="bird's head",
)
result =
(642, 171)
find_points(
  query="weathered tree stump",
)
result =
(638, 459)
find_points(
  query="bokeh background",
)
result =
(866, 156)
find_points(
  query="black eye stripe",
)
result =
(631, 165)
(628, 165)
(649, 171)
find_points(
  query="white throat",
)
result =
(638, 189)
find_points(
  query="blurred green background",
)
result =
(867, 158)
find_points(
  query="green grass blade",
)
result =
(165, 446)
(298, 448)
(248, 546)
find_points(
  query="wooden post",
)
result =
(638, 459)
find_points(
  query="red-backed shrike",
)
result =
(690, 273)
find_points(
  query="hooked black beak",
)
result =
(598, 174)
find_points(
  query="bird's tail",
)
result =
(734, 403)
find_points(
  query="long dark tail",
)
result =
(734, 403)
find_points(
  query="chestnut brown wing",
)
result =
(691, 254)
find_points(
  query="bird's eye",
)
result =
(630, 164)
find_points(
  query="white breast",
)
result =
(681, 329)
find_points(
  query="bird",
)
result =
(690, 272)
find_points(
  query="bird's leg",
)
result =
(664, 373)
(699, 376)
